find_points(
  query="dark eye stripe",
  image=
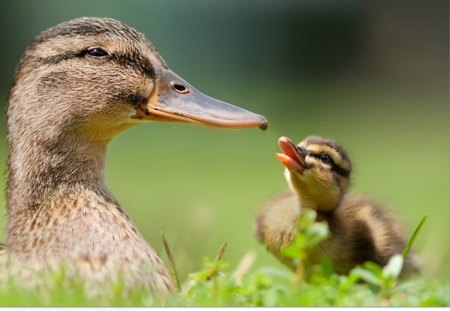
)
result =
(338, 169)
(132, 60)
(136, 62)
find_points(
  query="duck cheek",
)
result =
(105, 123)
(322, 176)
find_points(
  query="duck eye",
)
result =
(96, 52)
(325, 158)
(179, 88)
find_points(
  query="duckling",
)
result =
(318, 173)
(78, 85)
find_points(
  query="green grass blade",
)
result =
(414, 236)
(172, 262)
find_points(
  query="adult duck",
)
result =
(77, 86)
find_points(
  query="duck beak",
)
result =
(292, 157)
(173, 99)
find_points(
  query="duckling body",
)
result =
(360, 229)
(77, 86)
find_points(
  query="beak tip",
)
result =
(264, 125)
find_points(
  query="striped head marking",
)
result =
(317, 169)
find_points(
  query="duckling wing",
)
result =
(361, 230)
(276, 224)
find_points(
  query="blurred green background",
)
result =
(371, 74)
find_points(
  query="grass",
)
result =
(265, 287)
(414, 236)
(214, 285)
(204, 186)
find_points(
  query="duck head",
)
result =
(95, 77)
(317, 170)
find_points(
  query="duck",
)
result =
(318, 172)
(77, 86)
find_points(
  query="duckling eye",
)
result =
(96, 52)
(325, 158)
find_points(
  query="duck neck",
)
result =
(40, 171)
(59, 205)
(56, 196)
(323, 204)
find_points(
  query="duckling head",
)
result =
(317, 170)
(95, 77)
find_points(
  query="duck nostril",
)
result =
(179, 88)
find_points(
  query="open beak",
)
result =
(173, 99)
(292, 157)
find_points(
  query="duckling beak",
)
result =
(292, 157)
(173, 99)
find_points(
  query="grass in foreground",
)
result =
(214, 285)
(266, 287)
